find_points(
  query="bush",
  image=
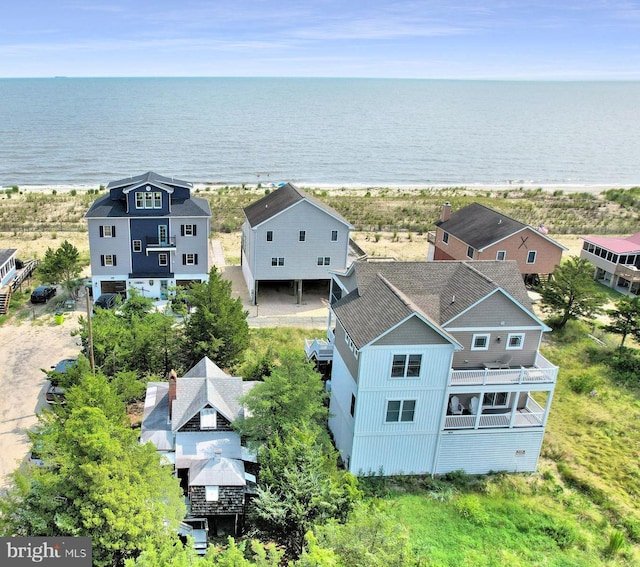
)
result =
(587, 381)
(470, 508)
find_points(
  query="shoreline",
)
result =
(570, 188)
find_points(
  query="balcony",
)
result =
(542, 373)
(157, 245)
(320, 350)
(531, 415)
(431, 237)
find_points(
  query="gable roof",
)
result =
(389, 292)
(280, 200)
(218, 471)
(129, 183)
(630, 244)
(206, 385)
(480, 227)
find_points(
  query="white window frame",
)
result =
(189, 259)
(401, 411)
(302, 236)
(501, 255)
(136, 245)
(212, 493)
(472, 249)
(269, 236)
(324, 260)
(161, 256)
(352, 346)
(477, 336)
(406, 364)
(277, 261)
(445, 238)
(208, 419)
(140, 200)
(520, 343)
(493, 396)
(108, 259)
(334, 236)
(107, 231)
(157, 200)
(535, 254)
(188, 229)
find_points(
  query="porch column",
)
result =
(514, 408)
(546, 408)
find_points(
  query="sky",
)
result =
(438, 39)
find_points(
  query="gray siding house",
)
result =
(435, 368)
(188, 419)
(290, 236)
(148, 233)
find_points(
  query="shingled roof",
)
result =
(280, 200)
(480, 226)
(389, 292)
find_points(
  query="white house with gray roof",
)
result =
(188, 419)
(435, 368)
(148, 233)
(290, 236)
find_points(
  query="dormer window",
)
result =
(149, 200)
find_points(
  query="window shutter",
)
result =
(184, 259)
(194, 232)
(101, 258)
(101, 231)
(195, 259)
(113, 231)
(181, 230)
(114, 260)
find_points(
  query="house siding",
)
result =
(191, 245)
(341, 424)
(118, 245)
(230, 501)
(411, 332)
(348, 357)
(300, 257)
(486, 451)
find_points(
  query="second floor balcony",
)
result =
(542, 372)
(157, 244)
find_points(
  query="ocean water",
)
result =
(352, 132)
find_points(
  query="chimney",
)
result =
(173, 377)
(445, 214)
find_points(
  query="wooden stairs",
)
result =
(5, 299)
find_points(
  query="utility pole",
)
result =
(89, 326)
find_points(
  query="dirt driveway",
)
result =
(26, 347)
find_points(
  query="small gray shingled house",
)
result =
(290, 236)
(436, 368)
(148, 233)
(189, 419)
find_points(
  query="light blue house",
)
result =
(435, 368)
(7, 266)
(148, 233)
(290, 236)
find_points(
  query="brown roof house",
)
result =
(189, 419)
(290, 236)
(476, 232)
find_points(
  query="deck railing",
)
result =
(320, 349)
(531, 415)
(542, 372)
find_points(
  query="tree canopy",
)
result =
(625, 318)
(217, 325)
(572, 292)
(62, 265)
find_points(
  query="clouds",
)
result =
(412, 38)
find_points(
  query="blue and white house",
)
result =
(290, 236)
(150, 233)
(435, 368)
(7, 265)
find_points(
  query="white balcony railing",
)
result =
(531, 415)
(318, 349)
(542, 372)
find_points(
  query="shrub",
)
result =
(470, 508)
(73, 192)
(377, 236)
(585, 382)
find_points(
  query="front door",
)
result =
(164, 288)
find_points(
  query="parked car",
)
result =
(55, 393)
(34, 459)
(43, 293)
(106, 301)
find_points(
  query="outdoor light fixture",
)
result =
(498, 339)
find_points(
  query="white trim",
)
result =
(535, 256)
(489, 329)
(504, 257)
(533, 230)
(477, 336)
(304, 200)
(517, 347)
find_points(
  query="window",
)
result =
(445, 237)
(400, 410)
(163, 259)
(277, 261)
(207, 418)
(501, 255)
(137, 245)
(149, 200)
(188, 230)
(139, 200)
(212, 493)
(515, 341)
(302, 235)
(107, 231)
(108, 260)
(496, 399)
(189, 259)
(531, 257)
(480, 342)
(269, 235)
(334, 236)
(324, 261)
(470, 251)
(404, 366)
(352, 346)
(157, 200)
(353, 405)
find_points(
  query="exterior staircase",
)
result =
(5, 299)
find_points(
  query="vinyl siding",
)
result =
(118, 245)
(300, 257)
(198, 244)
(348, 357)
(412, 332)
(482, 452)
(340, 421)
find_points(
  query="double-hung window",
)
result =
(334, 236)
(470, 251)
(400, 411)
(277, 261)
(189, 259)
(163, 259)
(108, 260)
(269, 235)
(302, 236)
(324, 260)
(406, 366)
(188, 230)
(107, 231)
(137, 245)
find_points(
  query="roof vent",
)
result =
(453, 299)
